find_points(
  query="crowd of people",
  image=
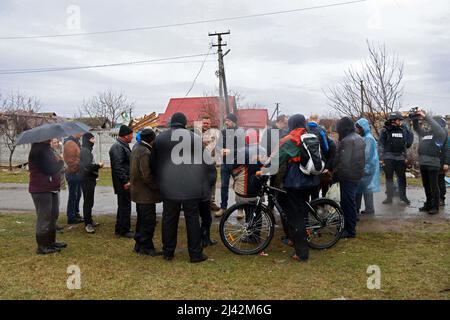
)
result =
(169, 168)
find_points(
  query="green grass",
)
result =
(414, 264)
(21, 176)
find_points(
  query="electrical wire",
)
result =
(250, 16)
(141, 62)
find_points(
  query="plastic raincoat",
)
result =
(370, 183)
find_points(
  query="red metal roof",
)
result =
(252, 118)
(194, 108)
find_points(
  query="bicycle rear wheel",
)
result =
(249, 235)
(325, 227)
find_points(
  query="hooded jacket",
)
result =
(71, 154)
(431, 142)
(289, 156)
(350, 157)
(88, 167)
(370, 183)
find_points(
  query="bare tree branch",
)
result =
(382, 76)
(108, 105)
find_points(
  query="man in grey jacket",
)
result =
(349, 170)
(431, 142)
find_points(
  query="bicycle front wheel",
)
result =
(246, 228)
(325, 225)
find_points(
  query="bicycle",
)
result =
(252, 235)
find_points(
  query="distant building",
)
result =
(197, 107)
(194, 109)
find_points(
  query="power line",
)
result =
(55, 69)
(257, 15)
(198, 73)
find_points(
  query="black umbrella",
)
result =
(51, 130)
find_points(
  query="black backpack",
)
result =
(311, 156)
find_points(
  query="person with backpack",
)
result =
(395, 140)
(430, 145)
(299, 179)
(348, 171)
(328, 149)
(370, 183)
(88, 178)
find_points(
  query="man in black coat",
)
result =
(349, 170)
(395, 140)
(119, 155)
(88, 178)
(182, 178)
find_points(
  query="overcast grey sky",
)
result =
(287, 58)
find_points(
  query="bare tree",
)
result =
(18, 115)
(381, 75)
(108, 105)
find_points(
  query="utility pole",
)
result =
(223, 91)
(277, 111)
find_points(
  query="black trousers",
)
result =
(123, 219)
(442, 187)
(348, 205)
(431, 185)
(399, 168)
(297, 214)
(205, 218)
(170, 219)
(145, 226)
(282, 199)
(88, 187)
(47, 211)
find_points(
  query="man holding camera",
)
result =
(431, 142)
(395, 140)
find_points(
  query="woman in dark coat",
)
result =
(44, 186)
(88, 177)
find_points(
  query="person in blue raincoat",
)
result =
(370, 183)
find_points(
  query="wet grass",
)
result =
(414, 263)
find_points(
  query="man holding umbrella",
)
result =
(45, 178)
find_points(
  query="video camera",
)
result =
(412, 113)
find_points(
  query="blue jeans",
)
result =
(225, 174)
(73, 203)
(348, 205)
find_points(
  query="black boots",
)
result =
(206, 239)
(47, 250)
